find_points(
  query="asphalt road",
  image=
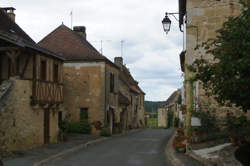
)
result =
(143, 148)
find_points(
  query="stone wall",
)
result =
(21, 126)
(124, 89)
(112, 97)
(84, 87)
(141, 111)
(203, 19)
(162, 117)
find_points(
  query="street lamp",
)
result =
(166, 22)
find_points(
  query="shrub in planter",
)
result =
(180, 141)
(83, 127)
(105, 132)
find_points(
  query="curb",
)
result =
(204, 162)
(76, 148)
(169, 152)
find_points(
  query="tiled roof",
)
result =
(127, 78)
(12, 33)
(173, 97)
(9, 26)
(71, 46)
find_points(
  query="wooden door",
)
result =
(46, 126)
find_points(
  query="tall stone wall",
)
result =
(84, 87)
(204, 18)
(112, 97)
(22, 126)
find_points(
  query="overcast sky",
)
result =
(151, 56)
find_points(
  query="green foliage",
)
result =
(152, 106)
(170, 118)
(79, 127)
(152, 122)
(105, 132)
(237, 126)
(228, 77)
(63, 126)
(84, 115)
(176, 122)
(208, 122)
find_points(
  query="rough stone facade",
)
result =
(132, 107)
(87, 86)
(203, 19)
(162, 117)
(21, 125)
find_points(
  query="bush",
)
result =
(237, 127)
(176, 122)
(105, 132)
(79, 127)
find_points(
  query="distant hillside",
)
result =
(152, 106)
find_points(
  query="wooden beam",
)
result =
(26, 65)
(8, 49)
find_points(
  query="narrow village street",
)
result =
(143, 148)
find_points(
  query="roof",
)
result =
(9, 26)
(128, 79)
(71, 46)
(173, 97)
(12, 33)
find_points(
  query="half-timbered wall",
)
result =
(48, 90)
(27, 65)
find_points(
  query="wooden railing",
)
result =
(47, 92)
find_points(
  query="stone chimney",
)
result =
(119, 61)
(80, 30)
(10, 12)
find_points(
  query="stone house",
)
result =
(172, 104)
(131, 98)
(90, 79)
(31, 89)
(200, 20)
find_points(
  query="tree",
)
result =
(227, 76)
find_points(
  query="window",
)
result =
(43, 70)
(56, 79)
(112, 82)
(84, 115)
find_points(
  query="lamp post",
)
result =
(166, 22)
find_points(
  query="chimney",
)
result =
(119, 62)
(81, 31)
(10, 12)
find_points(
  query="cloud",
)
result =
(153, 57)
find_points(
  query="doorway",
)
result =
(46, 126)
